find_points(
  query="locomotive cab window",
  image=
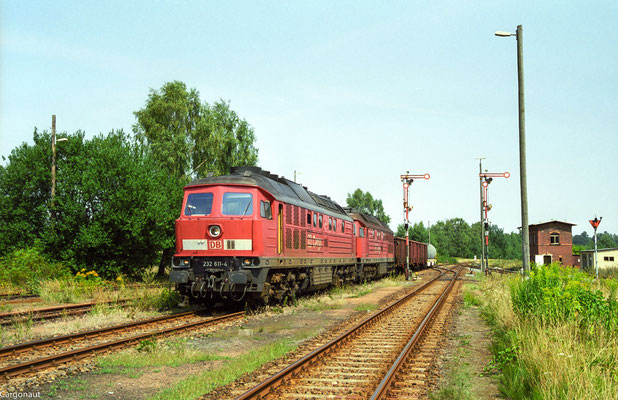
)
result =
(199, 204)
(330, 224)
(265, 210)
(315, 220)
(343, 226)
(361, 232)
(240, 204)
(320, 221)
(309, 218)
(335, 224)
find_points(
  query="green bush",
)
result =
(26, 268)
(555, 293)
(441, 259)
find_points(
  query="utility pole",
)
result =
(482, 225)
(525, 238)
(53, 166)
(407, 180)
(295, 175)
(522, 151)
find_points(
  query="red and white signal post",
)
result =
(407, 180)
(486, 178)
(595, 224)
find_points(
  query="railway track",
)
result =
(369, 360)
(46, 313)
(20, 299)
(53, 352)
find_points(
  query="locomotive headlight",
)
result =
(246, 262)
(214, 230)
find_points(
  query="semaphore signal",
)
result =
(407, 180)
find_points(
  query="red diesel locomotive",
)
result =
(253, 235)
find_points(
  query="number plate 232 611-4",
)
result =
(214, 263)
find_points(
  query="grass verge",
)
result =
(554, 335)
(202, 383)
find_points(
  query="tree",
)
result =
(222, 140)
(581, 239)
(416, 232)
(365, 203)
(115, 205)
(190, 138)
(167, 124)
(606, 240)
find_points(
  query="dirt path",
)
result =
(465, 356)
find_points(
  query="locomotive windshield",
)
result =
(199, 204)
(237, 204)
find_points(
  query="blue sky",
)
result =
(350, 94)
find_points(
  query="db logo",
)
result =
(215, 245)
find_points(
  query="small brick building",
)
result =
(552, 242)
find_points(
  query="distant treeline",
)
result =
(605, 240)
(456, 238)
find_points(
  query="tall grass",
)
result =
(555, 334)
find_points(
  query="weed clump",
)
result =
(26, 268)
(556, 294)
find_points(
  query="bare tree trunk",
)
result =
(166, 259)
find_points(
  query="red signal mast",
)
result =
(407, 180)
(486, 179)
(595, 224)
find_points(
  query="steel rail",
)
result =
(21, 300)
(11, 296)
(55, 312)
(385, 385)
(287, 373)
(74, 337)
(78, 354)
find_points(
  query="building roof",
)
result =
(551, 222)
(599, 250)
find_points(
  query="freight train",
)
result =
(254, 236)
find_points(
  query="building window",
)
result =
(554, 238)
(608, 258)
